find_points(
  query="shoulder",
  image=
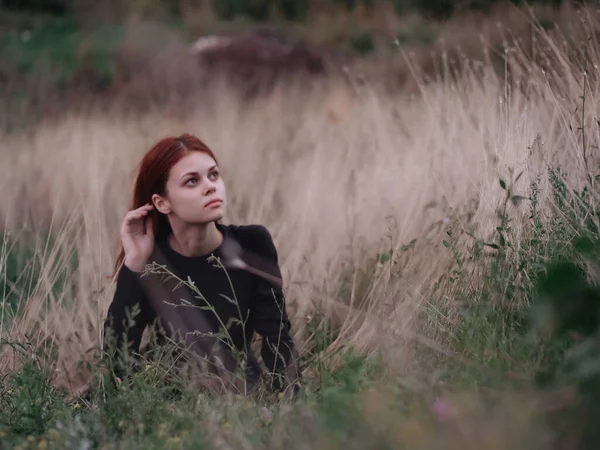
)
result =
(254, 237)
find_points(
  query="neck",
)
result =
(195, 240)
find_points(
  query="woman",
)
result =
(173, 233)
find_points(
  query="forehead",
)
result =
(192, 162)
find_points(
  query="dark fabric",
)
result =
(228, 297)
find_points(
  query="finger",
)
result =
(149, 228)
(146, 207)
(131, 223)
(136, 215)
(141, 210)
(130, 218)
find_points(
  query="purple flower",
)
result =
(442, 410)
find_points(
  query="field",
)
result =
(439, 248)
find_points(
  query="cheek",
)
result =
(183, 198)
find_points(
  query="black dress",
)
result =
(232, 300)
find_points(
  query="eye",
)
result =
(213, 175)
(191, 182)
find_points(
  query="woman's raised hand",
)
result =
(137, 237)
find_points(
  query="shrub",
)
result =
(228, 9)
(46, 6)
(258, 10)
(294, 9)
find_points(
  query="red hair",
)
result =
(153, 173)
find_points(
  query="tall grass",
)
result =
(400, 239)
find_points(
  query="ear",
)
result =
(161, 204)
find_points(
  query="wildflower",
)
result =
(442, 410)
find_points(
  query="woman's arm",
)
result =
(127, 317)
(269, 317)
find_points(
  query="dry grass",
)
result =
(330, 170)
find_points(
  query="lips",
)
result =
(214, 202)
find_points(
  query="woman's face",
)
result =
(195, 192)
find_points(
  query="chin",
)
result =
(207, 216)
(217, 215)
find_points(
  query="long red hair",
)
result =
(153, 173)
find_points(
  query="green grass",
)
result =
(22, 261)
(151, 413)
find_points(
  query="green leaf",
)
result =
(492, 245)
(384, 257)
(502, 184)
(446, 243)
(408, 246)
(502, 241)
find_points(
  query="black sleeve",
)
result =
(127, 317)
(269, 316)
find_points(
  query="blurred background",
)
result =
(56, 52)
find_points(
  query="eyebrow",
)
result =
(196, 173)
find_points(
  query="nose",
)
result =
(209, 188)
